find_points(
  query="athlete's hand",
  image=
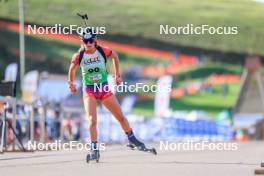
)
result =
(72, 87)
(118, 79)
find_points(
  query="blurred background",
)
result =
(217, 80)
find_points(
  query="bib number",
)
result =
(91, 70)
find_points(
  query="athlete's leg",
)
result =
(90, 108)
(113, 106)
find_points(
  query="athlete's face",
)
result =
(89, 44)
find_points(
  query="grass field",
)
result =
(199, 72)
(47, 54)
(213, 103)
(142, 19)
(54, 56)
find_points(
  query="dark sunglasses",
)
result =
(90, 40)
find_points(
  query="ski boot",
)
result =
(135, 144)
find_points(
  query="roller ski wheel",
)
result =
(142, 148)
(93, 156)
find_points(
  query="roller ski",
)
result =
(135, 144)
(94, 155)
(143, 149)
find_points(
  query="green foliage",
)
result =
(213, 103)
(142, 19)
(51, 55)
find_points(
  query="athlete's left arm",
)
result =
(115, 58)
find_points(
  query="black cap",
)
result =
(87, 33)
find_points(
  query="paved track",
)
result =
(118, 160)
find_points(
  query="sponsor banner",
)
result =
(128, 103)
(30, 86)
(11, 72)
(162, 97)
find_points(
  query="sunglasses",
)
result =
(90, 40)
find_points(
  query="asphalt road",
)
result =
(118, 160)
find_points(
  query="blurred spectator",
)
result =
(224, 89)
(209, 88)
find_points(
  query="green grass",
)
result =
(213, 103)
(203, 71)
(41, 54)
(142, 19)
(54, 56)
(44, 54)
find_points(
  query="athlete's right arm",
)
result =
(71, 73)
(71, 76)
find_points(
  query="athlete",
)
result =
(92, 60)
